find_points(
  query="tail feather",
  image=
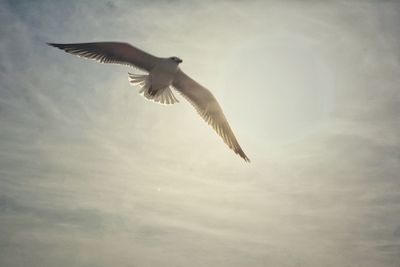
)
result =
(162, 96)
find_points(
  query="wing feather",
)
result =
(111, 52)
(208, 108)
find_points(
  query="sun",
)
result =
(287, 84)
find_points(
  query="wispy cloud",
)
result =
(92, 174)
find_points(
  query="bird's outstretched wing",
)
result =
(208, 108)
(111, 52)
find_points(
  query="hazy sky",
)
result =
(92, 174)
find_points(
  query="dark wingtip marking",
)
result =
(242, 155)
(60, 46)
(245, 157)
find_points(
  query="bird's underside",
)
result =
(162, 96)
(163, 75)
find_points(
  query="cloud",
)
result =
(91, 174)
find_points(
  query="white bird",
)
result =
(163, 74)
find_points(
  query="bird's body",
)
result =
(163, 75)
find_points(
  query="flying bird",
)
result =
(163, 75)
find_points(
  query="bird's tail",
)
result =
(162, 96)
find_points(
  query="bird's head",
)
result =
(177, 60)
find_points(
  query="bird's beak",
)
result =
(180, 61)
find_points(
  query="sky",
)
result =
(92, 174)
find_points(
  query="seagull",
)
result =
(162, 76)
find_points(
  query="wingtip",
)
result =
(60, 46)
(54, 45)
(243, 156)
